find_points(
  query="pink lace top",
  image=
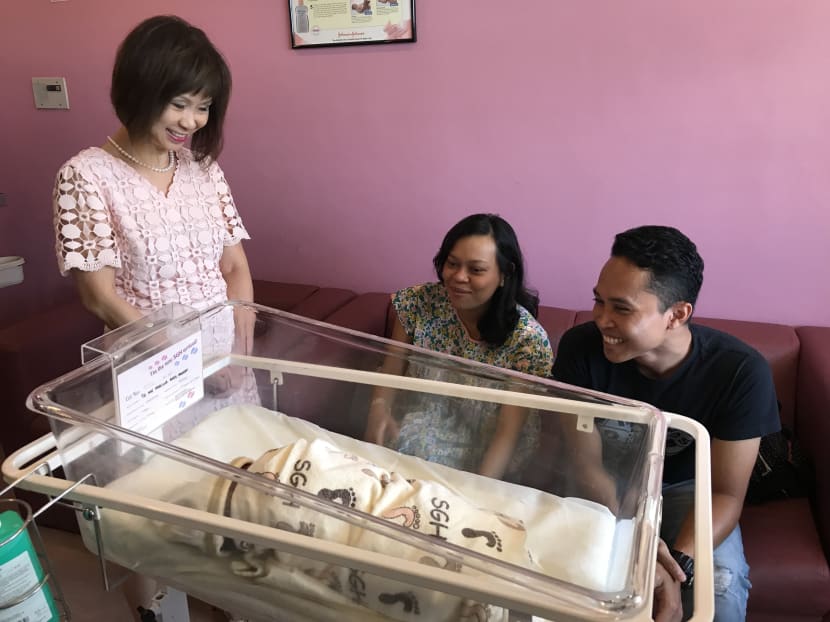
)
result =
(164, 248)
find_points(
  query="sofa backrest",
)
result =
(778, 343)
(283, 296)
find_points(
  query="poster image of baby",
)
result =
(362, 8)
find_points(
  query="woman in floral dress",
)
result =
(479, 309)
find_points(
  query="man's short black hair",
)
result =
(671, 258)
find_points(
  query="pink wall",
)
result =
(572, 120)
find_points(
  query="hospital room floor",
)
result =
(78, 573)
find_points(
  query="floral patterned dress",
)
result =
(454, 431)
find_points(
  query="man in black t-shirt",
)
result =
(641, 345)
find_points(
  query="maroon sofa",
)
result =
(787, 542)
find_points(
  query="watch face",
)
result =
(687, 565)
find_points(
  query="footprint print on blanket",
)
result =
(491, 538)
(407, 599)
(343, 496)
(411, 516)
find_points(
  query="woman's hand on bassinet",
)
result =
(381, 427)
(225, 381)
(244, 320)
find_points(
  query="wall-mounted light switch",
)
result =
(50, 93)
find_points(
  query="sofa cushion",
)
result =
(784, 532)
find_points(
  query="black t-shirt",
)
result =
(724, 384)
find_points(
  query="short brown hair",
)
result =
(164, 57)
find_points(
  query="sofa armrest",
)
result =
(812, 425)
(35, 350)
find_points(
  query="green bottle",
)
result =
(20, 571)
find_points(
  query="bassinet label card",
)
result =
(158, 388)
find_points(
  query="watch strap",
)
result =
(687, 565)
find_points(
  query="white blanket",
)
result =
(569, 539)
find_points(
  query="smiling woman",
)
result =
(143, 220)
(479, 309)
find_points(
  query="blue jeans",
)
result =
(731, 570)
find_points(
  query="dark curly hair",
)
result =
(502, 316)
(164, 57)
(671, 258)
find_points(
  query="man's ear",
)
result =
(680, 314)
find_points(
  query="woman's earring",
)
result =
(502, 282)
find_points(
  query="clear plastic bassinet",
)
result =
(228, 458)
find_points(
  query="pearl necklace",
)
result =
(132, 158)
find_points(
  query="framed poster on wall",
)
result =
(317, 23)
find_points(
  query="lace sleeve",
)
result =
(84, 235)
(235, 231)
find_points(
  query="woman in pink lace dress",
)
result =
(143, 220)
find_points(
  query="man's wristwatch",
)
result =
(687, 565)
